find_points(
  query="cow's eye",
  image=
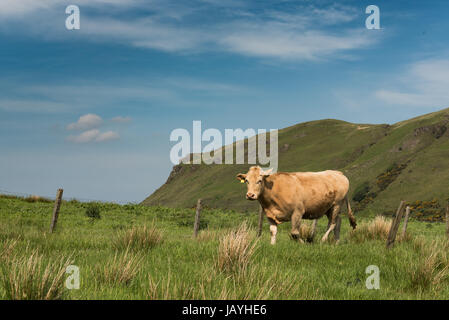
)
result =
(259, 182)
(246, 181)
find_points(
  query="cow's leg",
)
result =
(332, 221)
(337, 229)
(326, 235)
(273, 230)
(296, 225)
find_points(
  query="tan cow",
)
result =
(294, 196)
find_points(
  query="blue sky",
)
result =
(91, 110)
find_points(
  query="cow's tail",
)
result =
(350, 214)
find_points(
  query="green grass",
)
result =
(180, 267)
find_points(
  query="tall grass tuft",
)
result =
(169, 289)
(138, 238)
(235, 250)
(7, 248)
(30, 278)
(207, 235)
(122, 269)
(433, 267)
(376, 229)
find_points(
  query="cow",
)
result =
(293, 196)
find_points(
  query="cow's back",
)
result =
(316, 192)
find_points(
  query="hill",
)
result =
(384, 163)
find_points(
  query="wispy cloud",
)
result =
(304, 32)
(22, 8)
(94, 135)
(30, 106)
(423, 84)
(87, 121)
(56, 98)
(121, 119)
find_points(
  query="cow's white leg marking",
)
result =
(273, 231)
(332, 222)
(326, 235)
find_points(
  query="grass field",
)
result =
(138, 252)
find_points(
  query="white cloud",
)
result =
(85, 122)
(423, 84)
(107, 136)
(91, 122)
(87, 136)
(93, 135)
(281, 42)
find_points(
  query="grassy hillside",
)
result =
(139, 252)
(385, 163)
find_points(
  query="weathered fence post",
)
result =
(447, 219)
(395, 225)
(56, 208)
(261, 214)
(404, 227)
(196, 226)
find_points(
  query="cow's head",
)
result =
(254, 179)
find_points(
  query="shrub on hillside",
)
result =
(93, 211)
(361, 191)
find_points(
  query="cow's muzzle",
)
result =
(251, 196)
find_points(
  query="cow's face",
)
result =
(254, 180)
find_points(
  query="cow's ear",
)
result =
(241, 177)
(267, 172)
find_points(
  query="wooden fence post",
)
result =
(404, 227)
(447, 219)
(261, 214)
(395, 225)
(56, 208)
(196, 226)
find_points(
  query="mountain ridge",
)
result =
(405, 160)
